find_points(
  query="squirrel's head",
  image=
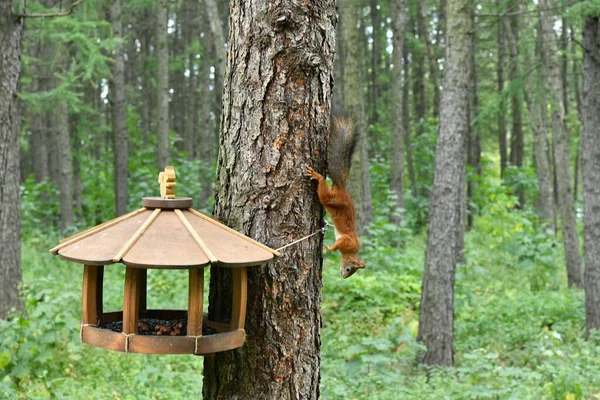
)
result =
(350, 266)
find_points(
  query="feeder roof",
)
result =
(165, 233)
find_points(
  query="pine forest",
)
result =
(473, 132)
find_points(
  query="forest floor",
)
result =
(518, 329)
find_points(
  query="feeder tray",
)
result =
(166, 233)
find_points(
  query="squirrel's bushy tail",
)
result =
(342, 143)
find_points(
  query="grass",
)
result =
(518, 328)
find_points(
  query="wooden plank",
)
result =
(121, 218)
(90, 305)
(96, 229)
(100, 292)
(103, 338)
(197, 238)
(136, 235)
(161, 344)
(195, 302)
(234, 232)
(240, 295)
(220, 342)
(170, 204)
(166, 244)
(131, 300)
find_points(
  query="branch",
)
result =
(70, 11)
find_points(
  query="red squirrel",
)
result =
(336, 199)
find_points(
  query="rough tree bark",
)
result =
(11, 34)
(436, 321)
(591, 170)
(566, 209)
(398, 134)
(275, 121)
(120, 145)
(65, 164)
(162, 83)
(375, 61)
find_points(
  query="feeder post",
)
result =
(131, 300)
(93, 275)
(240, 294)
(195, 302)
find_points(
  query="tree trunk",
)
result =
(375, 61)
(474, 140)
(406, 119)
(419, 92)
(501, 104)
(162, 84)
(591, 170)
(538, 116)
(561, 146)
(432, 60)
(65, 167)
(398, 134)
(359, 183)
(516, 99)
(436, 321)
(218, 35)
(120, 145)
(275, 121)
(206, 148)
(11, 34)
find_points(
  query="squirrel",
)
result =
(336, 199)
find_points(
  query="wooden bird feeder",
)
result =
(166, 233)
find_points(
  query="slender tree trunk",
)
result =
(120, 145)
(65, 167)
(516, 99)
(591, 170)
(419, 92)
(206, 149)
(501, 104)
(77, 184)
(190, 33)
(398, 134)
(354, 106)
(338, 100)
(406, 120)
(561, 146)
(162, 83)
(275, 122)
(218, 35)
(474, 140)
(432, 60)
(538, 116)
(436, 321)
(11, 34)
(576, 72)
(375, 62)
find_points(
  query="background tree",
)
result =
(11, 31)
(162, 83)
(591, 169)
(275, 121)
(560, 134)
(121, 151)
(436, 321)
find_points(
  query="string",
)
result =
(322, 230)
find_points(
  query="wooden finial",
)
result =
(167, 183)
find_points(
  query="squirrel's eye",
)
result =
(347, 269)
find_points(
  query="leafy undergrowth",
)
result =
(518, 329)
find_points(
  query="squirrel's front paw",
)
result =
(311, 173)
